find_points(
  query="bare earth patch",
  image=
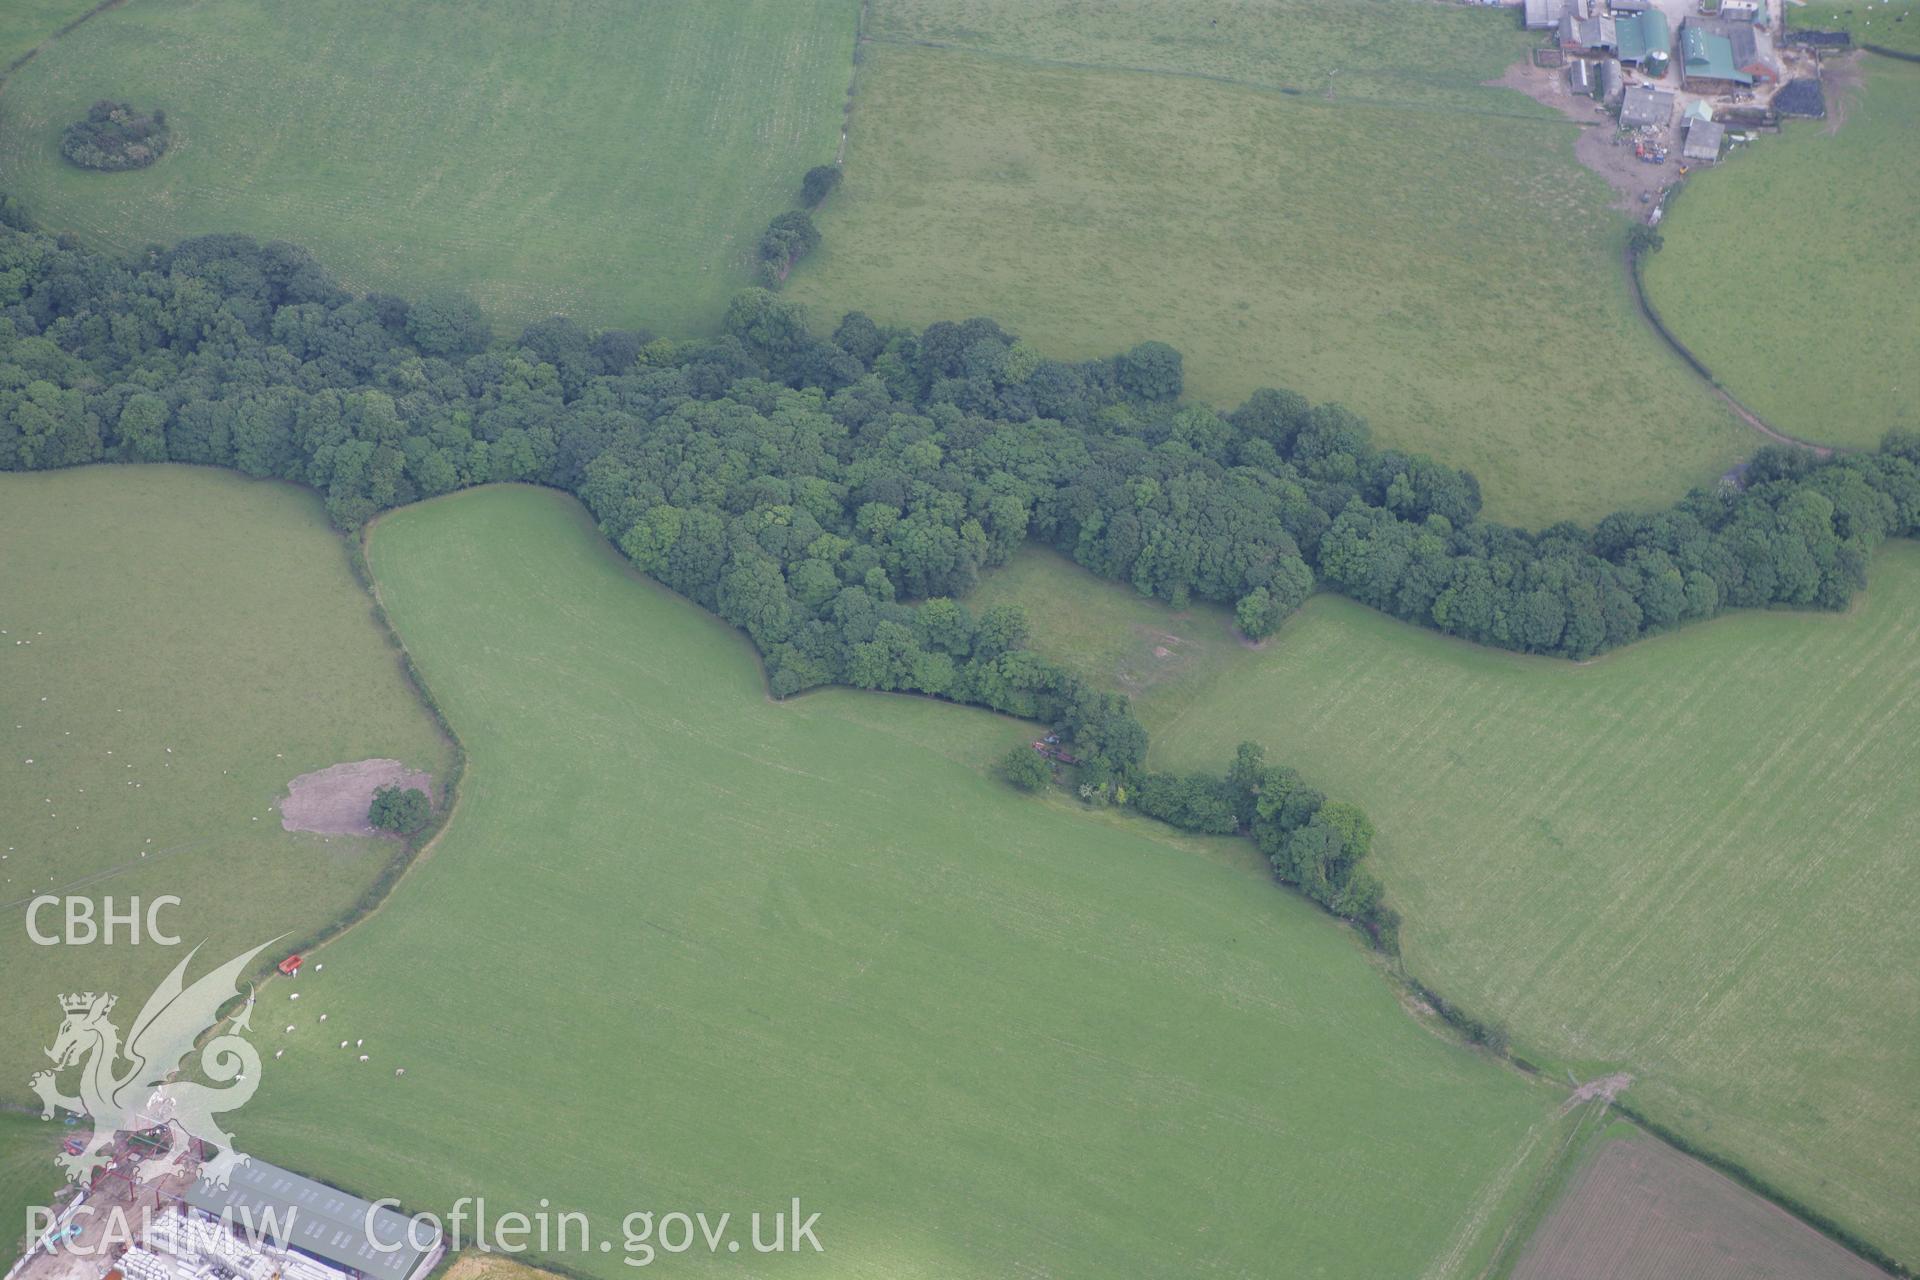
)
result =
(480, 1266)
(334, 801)
(1842, 79)
(1641, 1209)
(1608, 1087)
(1597, 147)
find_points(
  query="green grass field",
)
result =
(179, 644)
(1691, 859)
(585, 156)
(1892, 24)
(1421, 247)
(25, 24)
(685, 947)
(1809, 313)
(28, 1176)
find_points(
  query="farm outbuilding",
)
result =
(1721, 57)
(320, 1221)
(1613, 81)
(1587, 35)
(1581, 79)
(1703, 141)
(1645, 106)
(1542, 15)
(1630, 6)
(1646, 40)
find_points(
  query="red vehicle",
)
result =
(291, 965)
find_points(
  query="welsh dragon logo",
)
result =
(142, 1093)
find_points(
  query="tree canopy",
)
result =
(401, 811)
(113, 136)
(837, 497)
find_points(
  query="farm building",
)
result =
(323, 1223)
(1613, 82)
(1741, 10)
(1721, 57)
(1587, 35)
(1644, 106)
(1645, 41)
(1542, 15)
(1581, 79)
(1630, 6)
(1703, 140)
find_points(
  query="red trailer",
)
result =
(291, 965)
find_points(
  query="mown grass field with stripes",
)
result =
(1692, 859)
(685, 947)
(1316, 194)
(583, 156)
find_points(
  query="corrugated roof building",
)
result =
(1642, 36)
(1587, 35)
(1703, 140)
(1613, 82)
(320, 1221)
(1718, 57)
(1542, 15)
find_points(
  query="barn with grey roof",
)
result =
(327, 1224)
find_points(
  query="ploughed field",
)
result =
(1315, 194)
(611, 161)
(1691, 859)
(179, 643)
(1635, 1208)
(685, 947)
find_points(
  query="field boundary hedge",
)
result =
(71, 26)
(415, 845)
(1645, 304)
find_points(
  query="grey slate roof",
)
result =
(1646, 105)
(1703, 140)
(327, 1223)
